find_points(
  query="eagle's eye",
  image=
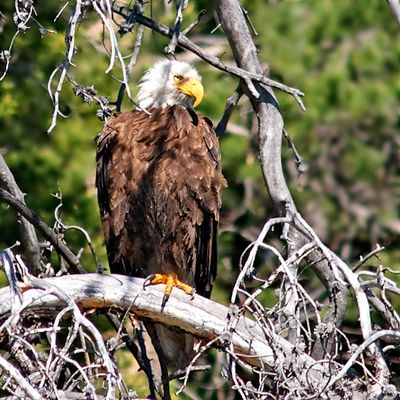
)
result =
(178, 78)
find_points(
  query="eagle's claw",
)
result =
(170, 281)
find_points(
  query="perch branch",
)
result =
(201, 317)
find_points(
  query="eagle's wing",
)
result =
(113, 182)
(209, 201)
(103, 158)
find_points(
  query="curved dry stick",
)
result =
(70, 40)
(23, 383)
(360, 349)
(395, 7)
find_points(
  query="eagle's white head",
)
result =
(170, 83)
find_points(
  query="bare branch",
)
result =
(132, 62)
(301, 167)
(170, 49)
(194, 23)
(70, 41)
(5, 56)
(22, 382)
(372, 253)
(367, 343)
(230, 106)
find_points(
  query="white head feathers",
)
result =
(170, 83)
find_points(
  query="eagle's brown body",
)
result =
(159, 181)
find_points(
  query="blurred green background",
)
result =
(344, 55)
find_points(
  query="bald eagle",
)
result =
(159, 181)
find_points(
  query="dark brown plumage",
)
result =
(159, 182)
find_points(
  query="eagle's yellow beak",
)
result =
(192, 88)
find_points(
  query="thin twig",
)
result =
(5, 56)
(363, 260)
(70, 41)
(194, 23)
(301, 167)
(170, 49)
(360, 349)
(21, 382)
(131, 64)
(142, 359)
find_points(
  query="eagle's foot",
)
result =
(170, 281)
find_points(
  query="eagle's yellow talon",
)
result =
(154, 279)
(170, 281)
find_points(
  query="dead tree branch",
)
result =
(230, 106)
(204, 318)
